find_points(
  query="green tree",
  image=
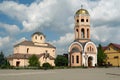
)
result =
(46, 66)
(61, 61)
(101, 56)
(34, 61)
(3, 61)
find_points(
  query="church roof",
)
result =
(82, 43)
(30, 43)
(26, 56)
(114, 44)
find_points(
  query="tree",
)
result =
(61, 61)
(34, 61)
(3, 61)
(101, 56)
(46, 66)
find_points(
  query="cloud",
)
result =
(20, 40)
(10, 29)
(63, 42)
(106, 13)
(37, 15)
(4, 41)
(105, 34)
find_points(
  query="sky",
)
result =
(19, 19)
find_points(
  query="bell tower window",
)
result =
(77, 21)
(82, 20)
(82, 33)
(77, 30)
(87, 33)
(77, 33)
(86, 20)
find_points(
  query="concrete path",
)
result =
(62, 74)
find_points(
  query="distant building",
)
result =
(113, 54)
(82, 52)
(23, 50)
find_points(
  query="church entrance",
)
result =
(90, 59)
(18, 63)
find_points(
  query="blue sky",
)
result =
(19, 19)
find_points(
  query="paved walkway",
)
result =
(62, 74)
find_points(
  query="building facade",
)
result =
(82, 51)
(23, 50)
(112, 52)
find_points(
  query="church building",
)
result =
(23, 50)
(82, 51)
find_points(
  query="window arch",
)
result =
(77, 30)
(77, 59)
(41, 38)
(92, 49)
(27, 50)
(88, 49)
(82, 20)
(87, 33)
(77, 21)
(35, 37)
(86, 20)
(82, 33)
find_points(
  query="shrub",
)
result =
(46, 66)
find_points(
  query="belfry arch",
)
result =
(88, 33)
(82, 33)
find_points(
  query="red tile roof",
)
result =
(114, 44)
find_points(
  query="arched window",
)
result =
(77, 33)
(82, 20)
(27, 50)
(87, 33)
(77, 59)
(82, 33)
(88, 49)
(86, 20)
(92, 49)
(41, 37)
(72, 59)
(35, 37)
(77, 30)
(77, 21)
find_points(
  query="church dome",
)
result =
(38, 33)
(82, 11)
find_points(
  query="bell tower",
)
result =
(82, 25)
(82, 50)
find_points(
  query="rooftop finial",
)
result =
(81, 6)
